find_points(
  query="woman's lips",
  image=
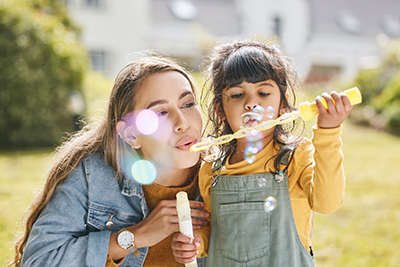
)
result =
(186, 142)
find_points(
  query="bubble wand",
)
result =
(185, 219)
(306, 110)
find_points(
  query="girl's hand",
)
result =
(183, 249)
(336, 113)
(163, 221)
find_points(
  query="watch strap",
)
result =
(134, 250)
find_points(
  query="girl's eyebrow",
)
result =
(165, 101)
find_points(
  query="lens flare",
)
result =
(147, 122)
(144, 172)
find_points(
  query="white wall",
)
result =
(119, 28)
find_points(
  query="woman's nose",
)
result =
(181, 124)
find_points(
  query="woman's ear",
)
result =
(125, 132)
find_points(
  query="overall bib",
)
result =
(244, 234)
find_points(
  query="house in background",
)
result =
(326, 38)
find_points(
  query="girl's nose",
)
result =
(181, 124)
(250, 103)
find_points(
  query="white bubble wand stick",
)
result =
(185, 219)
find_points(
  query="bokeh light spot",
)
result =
(147, 122)
(144, 172)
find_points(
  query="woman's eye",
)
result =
(189, 105)
(161, 113)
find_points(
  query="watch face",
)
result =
(125, 239)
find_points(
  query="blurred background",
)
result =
(58, 60)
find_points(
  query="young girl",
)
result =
(301, 175)
(92, 211)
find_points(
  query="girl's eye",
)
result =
(264, 94)
(238, 95)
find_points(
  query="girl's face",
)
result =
(244, 97)
(170, 96)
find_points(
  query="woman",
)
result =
(93, 209)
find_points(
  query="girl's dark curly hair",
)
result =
(253, 62)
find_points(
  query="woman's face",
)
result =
(170, 96)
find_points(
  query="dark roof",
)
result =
(361, 17)
(218, 17)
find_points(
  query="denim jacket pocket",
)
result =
(99, 215)
(244, 223)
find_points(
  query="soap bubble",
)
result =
(249, 156)
(270, 112)
(270, 204)
(259, 110)
(144, 172)
(262, 182)
(251, 119)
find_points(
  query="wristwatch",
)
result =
(126, 240)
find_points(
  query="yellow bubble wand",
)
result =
(306, 110)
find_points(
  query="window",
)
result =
(183, 9)
(390, 25)
(348, 22)
(93, 3)
(277, 26)
(98, 59)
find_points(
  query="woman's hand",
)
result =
(159, 224)
(337, 111)
(163, 221)
(183, 249)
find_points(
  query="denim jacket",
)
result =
(71, 229)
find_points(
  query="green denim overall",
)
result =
(243, 233)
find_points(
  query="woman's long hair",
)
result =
(102, 138)
(253, 62)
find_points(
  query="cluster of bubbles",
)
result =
(270, 202)
(252, 119)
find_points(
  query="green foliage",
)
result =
(41, 64)
(380, 88)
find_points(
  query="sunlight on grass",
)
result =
(364, 231)
(22, 173)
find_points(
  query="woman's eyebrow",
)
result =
(165, 101)
(157, 102)
(188, 92)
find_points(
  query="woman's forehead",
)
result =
(160, 88)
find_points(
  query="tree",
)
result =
(41, 65)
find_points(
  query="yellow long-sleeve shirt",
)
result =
(316, 180)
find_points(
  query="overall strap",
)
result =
(280, 174)
(216, 169)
